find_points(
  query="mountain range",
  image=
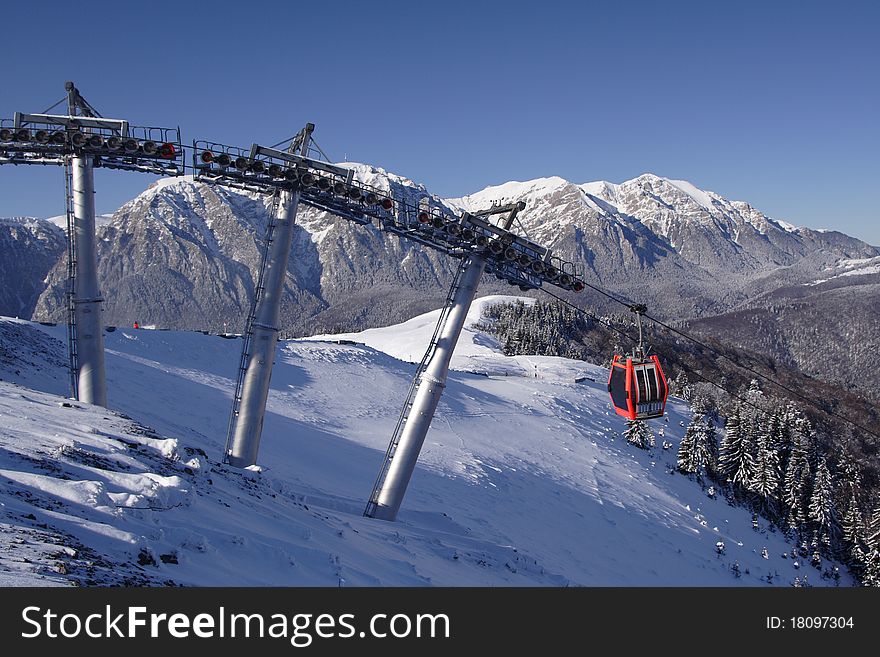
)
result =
(184, 254)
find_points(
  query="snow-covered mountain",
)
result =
(184, 254)
(61, 220)
(685, 251)
(524, 478)
(29, 249)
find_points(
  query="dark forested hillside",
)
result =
(828, 330)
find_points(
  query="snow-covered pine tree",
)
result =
(699, 403)
(745, 468)
(853, 547)
(774, 428)
(681, 385)
(698, 451)
(874, 527)
(796, 484)
(686, 462)
(871, 575)
(639, 434)
(765, 479)
(731, 443)
(852, 523)
(821, 503)
(780, 424)
(737, 450)
(754, 393)
(709, 439)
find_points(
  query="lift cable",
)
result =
(715, 351)
(687, 369)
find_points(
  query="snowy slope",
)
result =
(407, 341)
(851, 267)
(100, 220)
(524, 479)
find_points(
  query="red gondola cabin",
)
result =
(638, 387)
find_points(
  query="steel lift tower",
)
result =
(481, 241)
(261, 331)
(290, 176)
(81, 141)
(429, 382)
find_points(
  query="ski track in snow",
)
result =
(523, 480)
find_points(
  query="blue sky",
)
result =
(775, 103)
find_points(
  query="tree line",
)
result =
(769, 458)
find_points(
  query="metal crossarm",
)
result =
(112, 143)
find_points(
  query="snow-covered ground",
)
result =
(524, 478)
(100, 220)
(851, 267)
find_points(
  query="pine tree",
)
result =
(697, 452)
(737, 450)
(680, 385)
(796, 485)
(871, 575)
(859, 554)
(699, 403)
(821, 502)
(744, 472)
(754, 393)
(781, 437)
(686, 448)
(765, 480)
(851, 523)
(709, 439)
(639, 434)
(731, 443)
(774, 427)
(874, 527)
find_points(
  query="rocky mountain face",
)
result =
(186, 255)
(684, 252)
(29, 249)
